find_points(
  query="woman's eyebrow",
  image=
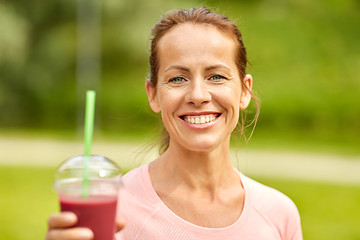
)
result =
(216, 66)
(177, 67)
(188, 70)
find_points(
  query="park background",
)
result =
(304, 57)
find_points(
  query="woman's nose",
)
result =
(198, 93)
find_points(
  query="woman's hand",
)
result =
(61, 227)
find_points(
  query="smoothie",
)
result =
(95, 212)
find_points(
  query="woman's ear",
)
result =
(151, 93)
(245, 97)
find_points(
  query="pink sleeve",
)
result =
(293, 229)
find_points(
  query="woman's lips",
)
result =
(201, 118)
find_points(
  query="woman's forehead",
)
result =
(190, 32)
(188, 42)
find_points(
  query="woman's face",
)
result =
(199, 90)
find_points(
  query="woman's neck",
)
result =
(200, 187)
(198, 171)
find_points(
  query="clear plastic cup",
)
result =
(94, 202)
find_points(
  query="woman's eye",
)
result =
(177, 79)
(216, 77)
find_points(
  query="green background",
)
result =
(304, 56)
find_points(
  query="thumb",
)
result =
(120, 224)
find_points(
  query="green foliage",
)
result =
(304, 56)
(27, 200)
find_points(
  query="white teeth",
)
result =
(199, 119)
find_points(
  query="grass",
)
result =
(27, 199)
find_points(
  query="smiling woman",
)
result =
(230, 34)
(198, 79)
(191, 191)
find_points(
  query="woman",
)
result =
(199, 86)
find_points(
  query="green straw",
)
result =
(88, 135)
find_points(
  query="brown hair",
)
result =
(200, 15)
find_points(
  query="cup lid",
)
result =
(97, 167)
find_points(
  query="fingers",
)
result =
(70, 234)
(59, 228)
(62, 220)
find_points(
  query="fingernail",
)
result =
(86, 233)
(69, 216)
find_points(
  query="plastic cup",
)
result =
(97, 208)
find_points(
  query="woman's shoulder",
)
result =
(272, 207)
(136, 178)
(137, 193)
(269, 202)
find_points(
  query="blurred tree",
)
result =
(304, 57)
(46, 60)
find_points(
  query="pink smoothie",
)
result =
(95, 212)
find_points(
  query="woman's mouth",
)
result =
(200, 119)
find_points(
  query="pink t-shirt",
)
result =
(267, 214)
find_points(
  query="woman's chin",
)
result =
(202, 145)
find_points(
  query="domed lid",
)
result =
(94, 166)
